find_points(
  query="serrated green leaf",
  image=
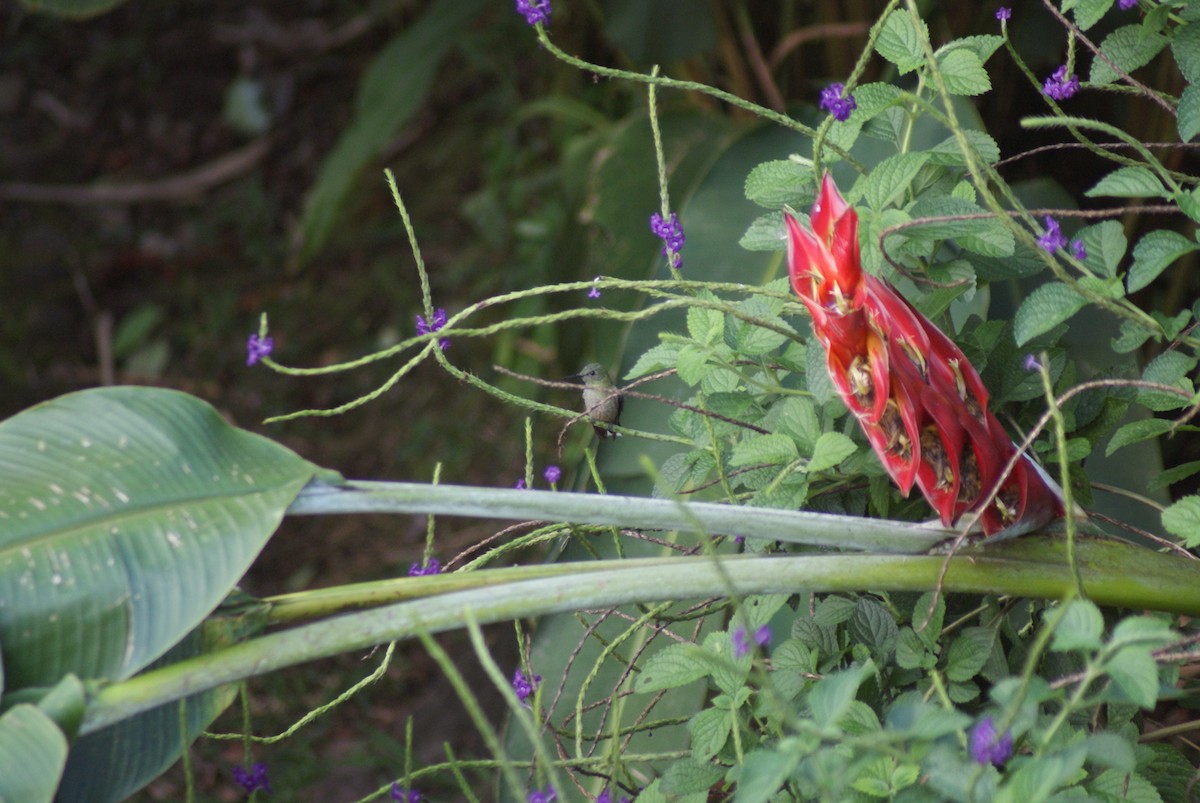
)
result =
(1188, 113)
(773, 449)
(762, 774)
(817, 375)
(1166, 767)
(1137, 431)
(1132, 336)
(1106, 245)
(830, 697)
(766, 233)
(911, 652)
(968, 653)
(899, 41)
(1134, 672)
(1080, 628)
(657, 358)
(687, 775)
(1143, 630)
(1129, 182)
(780, 182)
(1128, 47)
(891, 178)
(692, 364)
(710, 730)
(833, 611)
(1185, 46)
(705, 325)
(986, 236)
(793, 654)
(1168, 368)
(673, 666)
(874, 626)
(948, 153)
(1117, 784)
(830, 450)
(1182, 520)
(873, 99)
(963, 73)
(1154, 253)
(796, 416)
(1046, 307)
(1170, 476)
(1110, 750)
(1089, 12)
(982, 46)
(927, 617)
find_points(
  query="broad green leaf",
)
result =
(927, 617)
(982, 46)
(873, 99)
(899, 41)
(1166, 767)
(1110, 750)
(1144, 630)
(1137, 431)
(1036, 780)
(1168, 368)
(780, 182)
(689, 775)
(675, 665)
(796, 416)
(1172, 475)
(964, 73)
(1188, 113)
(761, 775)
(129, 513)
(692, 364)
(911, 652)
(1046, 307)
(1132, 336)
(658, 358)
(831, 449)
(1129, 182)
(705, 325)
(1080, 628)
(1128, 47)
(394, 87)
(1154, 253)
(984, 235)
(873, 626)
(1182, 520)
(891, 178)
(33, 752)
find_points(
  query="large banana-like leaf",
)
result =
(126, 515)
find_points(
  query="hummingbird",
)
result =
(602, 399)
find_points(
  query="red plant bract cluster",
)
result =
(922, 405)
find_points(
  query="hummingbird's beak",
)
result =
(574, 376)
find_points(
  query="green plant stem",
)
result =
(1116, 573)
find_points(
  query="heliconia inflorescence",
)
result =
(922, 405)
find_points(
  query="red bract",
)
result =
(922, 405)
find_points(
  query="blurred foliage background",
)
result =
(169, 169)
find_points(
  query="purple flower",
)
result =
(439, 320)
(253, 779)
(434, 566)
(1127, 4)
(595, 291)
(257, 348)
(606, 797)
(1031, 363)
(985, 745)
(547, 796)
(741, 644)
(399, 793)
(1004, 13)
(534, 11)
(1053, 239)
(523, 686)
(553, 474)
(1059, 86)
(671, 233)
(520, 486)
(839, 104)
(1078, 250)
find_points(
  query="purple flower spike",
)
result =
(1127, 4)
(253, 779)
(402, 795)
(1053, 239)
(671, 233)
(1031, 363)
(606, 797)
(987, 747)
(837, 103)
(1004, 13)
(1078, 249)
(553, 474)
(439, 320)
(1059, 86)
(523, 686)
(548, 795)
(434, 566)
(257, 348)
(534, 11)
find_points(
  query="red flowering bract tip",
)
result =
(921, 404)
